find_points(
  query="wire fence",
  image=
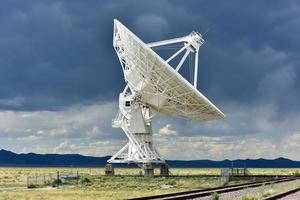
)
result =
(225, 176)
(227, 173)
(53, 180)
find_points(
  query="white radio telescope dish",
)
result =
(153, 86)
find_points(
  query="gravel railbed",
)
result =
(254, 192)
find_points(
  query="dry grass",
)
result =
(117, 187)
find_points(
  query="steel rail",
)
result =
(283, 194)
(207, 192)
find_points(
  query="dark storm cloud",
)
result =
(55, 54)
(249, 42)
(58, 56)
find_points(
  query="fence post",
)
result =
(77, 177)
(57, 178)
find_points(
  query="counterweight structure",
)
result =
(153, 86)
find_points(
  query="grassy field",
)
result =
(117, 187)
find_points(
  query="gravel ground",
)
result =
(295, 196)
(13, 188)
(257, 191)
(42, 188)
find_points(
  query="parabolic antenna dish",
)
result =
(153, 86)
(156, 83)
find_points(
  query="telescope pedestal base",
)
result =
(148, 170)
(109, 170)
(164, 169)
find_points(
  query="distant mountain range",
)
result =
(11, 159)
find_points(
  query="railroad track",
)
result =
(282, 195)
(208, 192)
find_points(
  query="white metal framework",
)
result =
(154, 86)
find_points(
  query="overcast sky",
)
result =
(60, 77)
